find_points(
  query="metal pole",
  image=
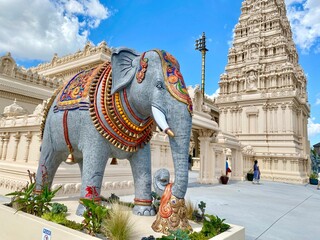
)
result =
(203, 72)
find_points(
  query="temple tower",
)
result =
(263, 98)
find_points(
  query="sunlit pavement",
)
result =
(268, 211)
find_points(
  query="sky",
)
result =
(32, 31)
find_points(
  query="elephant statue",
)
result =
(108, 112)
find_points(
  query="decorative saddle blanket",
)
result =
(74, 94)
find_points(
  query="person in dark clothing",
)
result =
(256, 172)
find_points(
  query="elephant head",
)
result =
(161, 179)
(155, 88)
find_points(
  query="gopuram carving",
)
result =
(263, 73)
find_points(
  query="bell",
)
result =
(70, 159)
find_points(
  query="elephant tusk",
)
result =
(160, 119)
(169, 132)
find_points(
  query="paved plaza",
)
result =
(268, 211)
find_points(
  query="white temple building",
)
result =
(261, 112)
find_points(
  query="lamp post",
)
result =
(201, 46)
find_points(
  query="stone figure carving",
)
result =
(251, 81)
(254, 52)
(108, 112)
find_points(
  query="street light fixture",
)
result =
(201, 46)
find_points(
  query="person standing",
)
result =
(318, 187)
(256, 172)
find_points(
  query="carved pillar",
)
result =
(271, 119)
(1, 144)
(265, 118)
(225, 119)
(28, 141)
(207, 166)
(275, 118)
(283, 120)
(232, 120)
(17, 137)
(6, 137)
(240, 119)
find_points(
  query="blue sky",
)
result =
(34, 30)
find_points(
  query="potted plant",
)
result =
(313, 178)
(224, 178)
(250, 175)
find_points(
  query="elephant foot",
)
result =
(172, 214)
(144, 210)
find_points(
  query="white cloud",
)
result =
(304, 16)
(318, 101)
(214, 95)
(37, 29)
(313, 128)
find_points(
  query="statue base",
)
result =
(172, 214)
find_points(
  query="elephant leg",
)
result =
(93, 165)
(48, 165)
(141, 170)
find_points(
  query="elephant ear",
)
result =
(124, 64)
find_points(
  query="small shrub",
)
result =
(59, 208)
(36, 204)
(118, 224)
(313, 175)
(73, 225)
(176, 235)
(213, 225)
(93, 216)
(197, 236)
(196, 215)
(59, 218)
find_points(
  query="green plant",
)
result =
(74, 225)
(93, 216)
(196, 216)
(27, 201)
(59, 218)
(176, 235)
(313, 175)
(197, 236)
(118, 224)
(213, 225)
(58, 208)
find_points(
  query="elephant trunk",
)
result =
(180, 154)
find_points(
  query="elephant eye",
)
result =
(159, 85)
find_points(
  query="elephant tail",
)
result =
(47, 108)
